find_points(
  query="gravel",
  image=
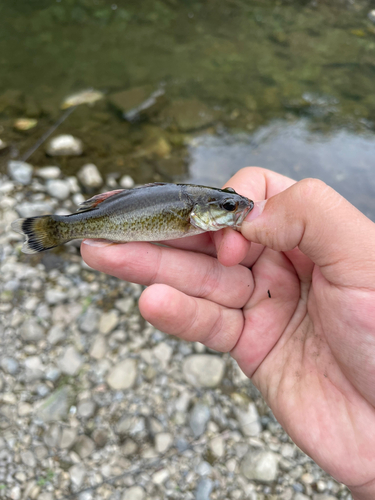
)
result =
(89, 390)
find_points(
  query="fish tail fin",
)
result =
(41, 233)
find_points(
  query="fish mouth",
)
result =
(242, 215)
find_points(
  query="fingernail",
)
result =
(256, 211)
(97, 243)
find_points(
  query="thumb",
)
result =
(323, 225)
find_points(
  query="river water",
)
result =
(285, 85)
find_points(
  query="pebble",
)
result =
(320, 496)
(259, 465)
(163, 353)
(160, 476)
(56, 406)
(204, 370)
(371, 15)
(56, 335)
(126, 182)
(31, 331)
(199, 417)
(58, 189)
(300, 496)
(84, 446)
(54, 296)
(20, 171)
(77, 474)
(28, 458)
(9, 365)
(34, 368)
(90, 176)
(204, 489)
(100, 436)
(71, 361)
(89, 320)
(134, 493)
(68, 437)
(108, 322)
(86, 408)
(123, 374)
(163, 441)
(64, 145)
(99, 347)
(33, 209)
(48, 173)
(216, 445)
(52, 436)
(249, 420)
(125, 305)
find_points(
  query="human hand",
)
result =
(310, 348)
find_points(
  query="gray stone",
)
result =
(99, 347)
(56, 406)
(31, 330)
(125, 305)
(58, 189)
(199, 417)
(88, 322)
(64, 145)
(204, 489)
(68, 437)
(260, 465)
(28, 458)
(300, 496)
(108, 322)
(70, 362)
(33, 209)
(47, 173)
(160, 476)
(10, 365)
(371, 15)
(34, 368)
(86, 408)
(323, 496)
(216, 445)
(204, 468)
(189, 114)
(100, 436)
(77, 474)
(84, 446)
(134, 493)
(54, 296)
(204, 370)
(56, 335)
(249, 420)
(90, 177)
(20, 171)
(123, 375)
(138, 101)
(163, 353)
(45, 495)
(52, 436)
(53, 374)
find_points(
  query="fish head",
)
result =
(225, 209)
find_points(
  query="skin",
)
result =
(310, 348)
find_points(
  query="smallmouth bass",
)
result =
(153, 212)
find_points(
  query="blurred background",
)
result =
(195, 90)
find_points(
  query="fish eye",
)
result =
(229, 205)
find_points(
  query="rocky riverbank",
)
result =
(95, 403)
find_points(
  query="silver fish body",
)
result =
(153, 212)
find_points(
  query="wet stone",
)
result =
(64, 145)
(137, 101)
(90, 176)
(70, 362)
(189, 114)
(199, 417)
(123, 375)
(259, 465)
(204, 370)
(20, 171)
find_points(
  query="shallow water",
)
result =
(289, 85)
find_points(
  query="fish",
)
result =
(153, 212)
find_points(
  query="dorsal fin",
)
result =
(97, 199)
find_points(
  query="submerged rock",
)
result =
(189, 114)
(134, 102)
(64, 145)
